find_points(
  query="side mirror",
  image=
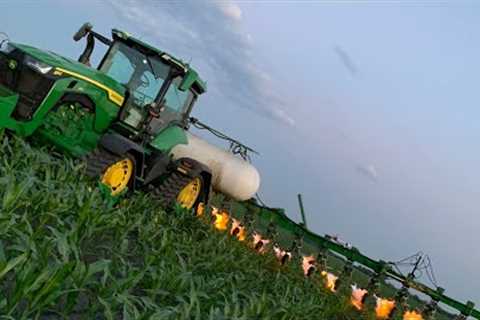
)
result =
(187, 81)
(83, 31)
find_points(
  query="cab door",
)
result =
(175, 106)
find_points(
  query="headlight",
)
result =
(6, 47)
(37, 65)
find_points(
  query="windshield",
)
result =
(176, 100)
(143, 75)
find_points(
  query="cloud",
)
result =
(369, 171)
(211, 33)
(346, 60)
(230, 9)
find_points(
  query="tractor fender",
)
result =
(120, 145)
(77, 97)
(157, 167)
(193, 168)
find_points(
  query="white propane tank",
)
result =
(230, 175)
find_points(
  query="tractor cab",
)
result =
(160, 88)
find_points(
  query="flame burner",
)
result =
(259, 244)
(308, 264)
(331, 281)
(237, 230)
(358, 297)
(221, 219)
(282, 255)
(412, 315)
(384, 308)
(200, 209)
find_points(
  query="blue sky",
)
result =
(369, 109)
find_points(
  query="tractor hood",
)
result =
(72, 67)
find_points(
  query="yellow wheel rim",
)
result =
(187, 197)
(118, 175)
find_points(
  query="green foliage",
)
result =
(66, 254)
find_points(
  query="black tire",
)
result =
(166, 192)
(98, 161)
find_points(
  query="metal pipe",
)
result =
(302, 210)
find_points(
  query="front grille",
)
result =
(31, 86)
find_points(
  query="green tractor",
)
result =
(123, 117)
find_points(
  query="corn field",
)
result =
(66, 254)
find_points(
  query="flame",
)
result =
(308, 264)
(357, 297)
(282, 255)
(237, 230)
(384, 308)
(221, 219)
(200, 209)
(331, 281)
(260, 244)
(412, 315)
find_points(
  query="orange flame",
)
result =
(200, 209)
(221, 219)
(412, 315)
(384, 308)
(260, 244)
(331, 281)
(357, 297)
(308, 264)
(282, 255)
(237, 230)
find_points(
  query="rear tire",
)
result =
(167, 192)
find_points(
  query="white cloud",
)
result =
(210, 32)
(369, 171)
(230, 9)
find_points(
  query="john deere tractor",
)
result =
(123, 116)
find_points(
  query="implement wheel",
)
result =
(181, 189)
(116, 172)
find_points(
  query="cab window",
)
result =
(176, 100)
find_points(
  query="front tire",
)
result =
(116, 172)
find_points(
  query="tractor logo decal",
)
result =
(12, 64)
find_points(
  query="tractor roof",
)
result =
(191, 75)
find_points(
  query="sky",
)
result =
(369, 109)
